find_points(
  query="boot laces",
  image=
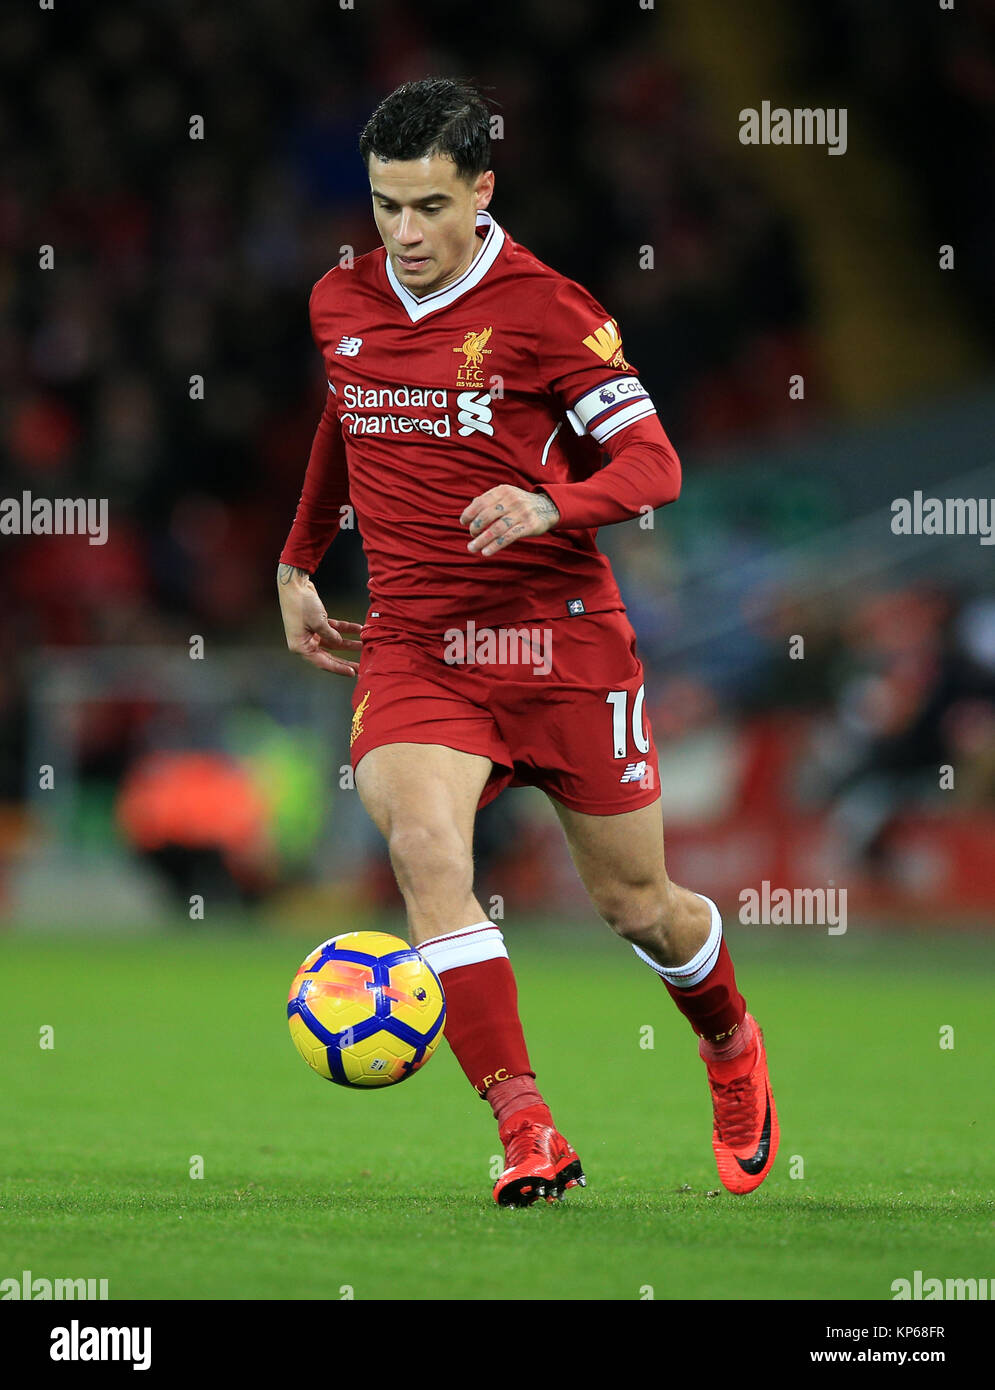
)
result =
(735, 1112)
(523, 1142)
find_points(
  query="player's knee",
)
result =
(642, 913)
(429, 858)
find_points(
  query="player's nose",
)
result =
(407, 231)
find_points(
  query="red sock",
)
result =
(482, 1024)
(714, 1007)
(741, 1041)
(704, 988)
(510, 1098)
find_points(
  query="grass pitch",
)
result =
(171, 1048)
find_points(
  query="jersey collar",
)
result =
(417, 308)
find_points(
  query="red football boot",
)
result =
(745, 1133)
(538, 1163)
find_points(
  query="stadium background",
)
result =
(220, 775)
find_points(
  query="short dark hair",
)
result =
(437, 115)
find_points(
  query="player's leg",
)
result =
(595, 757)
(621, 862)
(620, 859)
(423, 798)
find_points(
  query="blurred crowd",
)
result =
(926, 73)
(177, 257)
(884, 692)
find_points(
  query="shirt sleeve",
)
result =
(325, 492)
(582, 362)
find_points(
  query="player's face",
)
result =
(426, 215)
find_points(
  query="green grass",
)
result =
(177, 1046)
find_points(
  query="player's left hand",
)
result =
(505, 514)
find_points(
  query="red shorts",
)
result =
(556, 704)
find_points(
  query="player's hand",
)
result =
(505, 514)
(311, 633)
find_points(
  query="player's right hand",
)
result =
(311, 633)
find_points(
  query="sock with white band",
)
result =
(701, 963)
(482, 1024)
(704, 989)
(467, 946)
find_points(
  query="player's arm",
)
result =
(310, 632)
(643, 471)
(581, 362)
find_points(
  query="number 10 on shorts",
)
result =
(619, 699)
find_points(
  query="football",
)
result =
(366, 1009)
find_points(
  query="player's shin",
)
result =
(704, 989)
(482, 1023)
(745, 1131)
(485, 1033)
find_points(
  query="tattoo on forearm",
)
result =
(285, 573)
(546, 507)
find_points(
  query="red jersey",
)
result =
(512, 374)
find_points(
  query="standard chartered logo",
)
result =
(474, 412)
(362, 404)
(391, 397)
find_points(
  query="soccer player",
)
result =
(472, 395)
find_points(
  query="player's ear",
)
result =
(484, 190)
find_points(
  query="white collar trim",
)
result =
(417, 307)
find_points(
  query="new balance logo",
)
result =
(348, 347)
(634, 772)
(474, 412)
